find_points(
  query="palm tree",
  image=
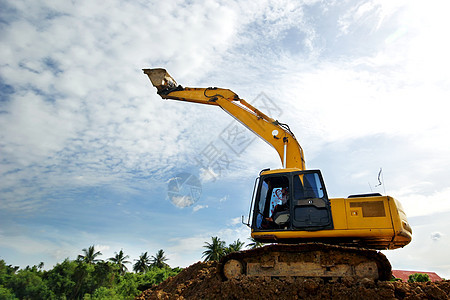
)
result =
(235, 246)
(254, 244)
(90, 255)
(120, 260)
(142, 264)
(159, 260)
(215, 250)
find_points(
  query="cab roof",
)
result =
(277, 171)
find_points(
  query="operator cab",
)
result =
(290, 199)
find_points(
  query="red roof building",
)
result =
(404, 275)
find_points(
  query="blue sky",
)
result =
(88, 150)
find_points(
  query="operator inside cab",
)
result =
(283, 196)
(274, 207)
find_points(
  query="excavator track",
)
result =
(330, 262)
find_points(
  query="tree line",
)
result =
(217, 248)
(89, 277)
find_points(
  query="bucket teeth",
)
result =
(161, 80)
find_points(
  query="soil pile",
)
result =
(201, 281)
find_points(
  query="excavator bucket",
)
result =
(161, 79)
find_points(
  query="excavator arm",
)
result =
(278, 135)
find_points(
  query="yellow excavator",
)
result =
(310, 235)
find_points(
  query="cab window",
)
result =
(307, 186)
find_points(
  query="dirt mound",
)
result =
(201, 281)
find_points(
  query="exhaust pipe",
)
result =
(162, 80)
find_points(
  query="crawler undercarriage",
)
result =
(329, 262)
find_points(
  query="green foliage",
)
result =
(28, 284)
(159, 260)
(120, 260)
(217, 249)
(6, 294)
(142, 264)
(90, 255)
(84, 278)
(104, 274)
(214, 250)
(233, 247)
(394, 279)
(154, 277)
(127, 285)
(254, 244)
(103, 293)
(61, 278)
(6, 272)
(418, 277)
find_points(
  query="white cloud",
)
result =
(230, 235)
(436, 236)
(101, 248)
(198, 207)
(94, 107)
(182, 200)
(24, 244)
(235, 221)
(208, 175)
(186, 251)
(418, 204)
(368, 13)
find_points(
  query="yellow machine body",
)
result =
(371, 221)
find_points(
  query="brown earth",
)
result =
(201, 281)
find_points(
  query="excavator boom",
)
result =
(278, 135)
